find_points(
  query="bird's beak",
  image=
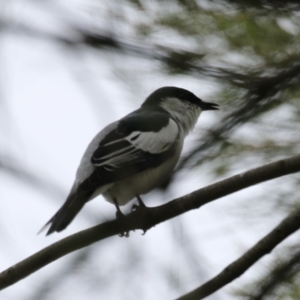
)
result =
(208, 106)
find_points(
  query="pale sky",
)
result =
(54, 105)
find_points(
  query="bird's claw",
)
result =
(124, 234)
(120, 215)
(135, 207)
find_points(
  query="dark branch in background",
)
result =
(281, 273)
(261, 92)
(180, 60)
(288, 226)
(189, 252)
(283, 5)
(147, 218)
(49, 284)
(8, 166)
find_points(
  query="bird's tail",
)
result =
(66, 213)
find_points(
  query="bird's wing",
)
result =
(139, 142)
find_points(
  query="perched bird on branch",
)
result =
(133, 155)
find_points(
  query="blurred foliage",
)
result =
(249, 49)
(281, 281)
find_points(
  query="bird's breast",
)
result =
(143, 182)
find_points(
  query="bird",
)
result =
(134, 155)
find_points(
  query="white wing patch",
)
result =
(112, 160)
(127, 149)
(155, 142)
(123, 154)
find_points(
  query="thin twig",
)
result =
(288, 226)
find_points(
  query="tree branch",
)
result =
(281, 274)
(146, 218)
(288, 226)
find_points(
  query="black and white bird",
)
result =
(134, 155)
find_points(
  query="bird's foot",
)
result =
(125, 233)
(140, 206)
(120, 216)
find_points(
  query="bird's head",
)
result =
(182, 105)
